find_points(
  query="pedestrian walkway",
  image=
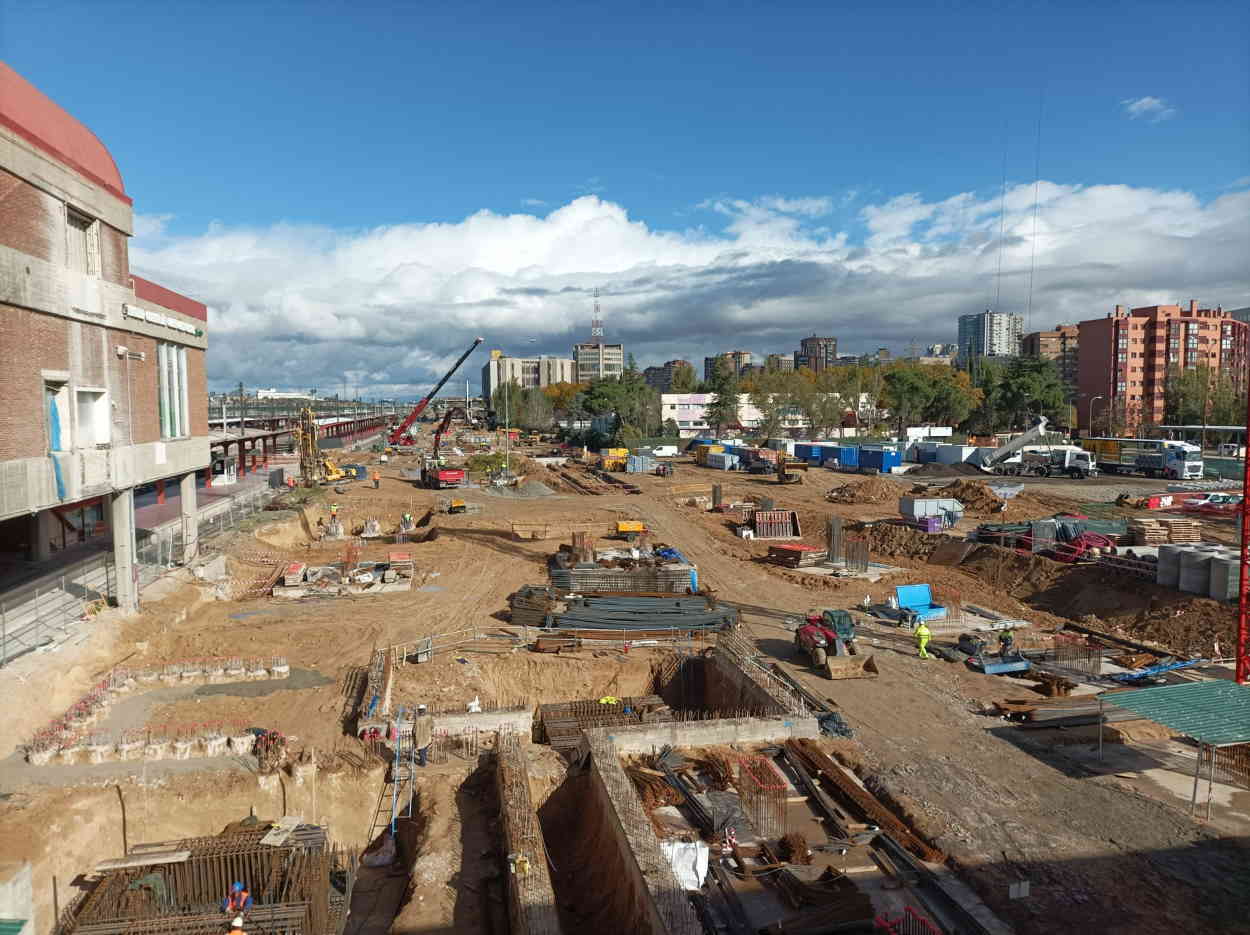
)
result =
(57, 601)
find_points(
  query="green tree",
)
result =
(684, 379)
(770, 393)
(1031, 387)
(909, 393)
(722, 409)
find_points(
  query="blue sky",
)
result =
(266, 117)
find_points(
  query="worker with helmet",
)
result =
(236, 926)
(238, 901)
(922, 639)
(1006, 642)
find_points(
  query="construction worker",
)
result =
(422, 733)
(377, 479)
(922, 640)
(1006, 642)
(236, 926)
(238, 901)
(334, 512)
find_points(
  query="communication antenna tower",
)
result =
(596, 323)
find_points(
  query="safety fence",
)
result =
(47, 611)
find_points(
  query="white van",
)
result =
(664, 451)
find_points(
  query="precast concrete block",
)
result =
(182, 749)
(241, 744)
(156, 750)
(214, 745)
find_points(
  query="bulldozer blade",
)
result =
(851, 667)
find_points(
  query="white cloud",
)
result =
(533, 202)
(1153, 109)
(808, 207)
(301, 306)
(151, 226)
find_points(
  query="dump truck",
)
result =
(827, 639)
(1154, 457)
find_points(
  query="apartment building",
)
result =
(1125, 359)
(816, 353)
(103, 372)
(990, 334)
(661, 378)
(779, 363)
(739, 364)
(1061, 344)
(524, 371)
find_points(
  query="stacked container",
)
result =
(721, 461)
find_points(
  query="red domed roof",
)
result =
(35, 117)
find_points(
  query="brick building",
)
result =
(739, 364)
(1125, 358)
(103, 378)
(1060, 345)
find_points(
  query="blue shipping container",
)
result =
(890, 460)
(804, 451)
(848, 456)
(722, 462)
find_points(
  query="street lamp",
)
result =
(1091, 412)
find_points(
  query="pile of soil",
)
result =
(895, 541)
(933, 469)
(872, 490)
(974, 495)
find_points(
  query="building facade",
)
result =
(595, 361)
(1125, 359)
(739, 363)
(1061, 344)
(779, 363)
(661, 378)
(688, 410)
(524, 371)
(990, 334)
(103, 372)
(816, 353)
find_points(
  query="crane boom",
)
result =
(420, 407)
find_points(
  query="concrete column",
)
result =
(41, 535)
(190, 517)
(122, 505)
(242, 461)
(264, 451)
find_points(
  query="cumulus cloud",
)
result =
(1153, 109)
(389, 308)
(151, 226)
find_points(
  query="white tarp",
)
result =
(689, 861)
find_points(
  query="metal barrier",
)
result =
(38, 615)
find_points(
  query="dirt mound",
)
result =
(895, 541)
(933, 469)
(974, 495)
(872, 490)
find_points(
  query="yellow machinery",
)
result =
(630, 529)
(310, 464)
(331, 472)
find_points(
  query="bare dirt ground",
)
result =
(1099, 853)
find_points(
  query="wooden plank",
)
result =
(150, 859)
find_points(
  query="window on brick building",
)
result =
(171, 374)
(82, 243)
(94, 424)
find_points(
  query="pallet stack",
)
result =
(1158, 531)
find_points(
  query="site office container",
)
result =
(848, 456)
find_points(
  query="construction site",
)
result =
(412, 696)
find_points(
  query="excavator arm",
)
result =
(420, 407)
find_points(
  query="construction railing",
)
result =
(44, 611)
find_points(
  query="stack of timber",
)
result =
(1158, 530)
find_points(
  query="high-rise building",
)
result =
(739, 361)
(1059, 345)
(524, 371)
(990, 334)
(661, 378)
(779, 362)
(816, 353)
(1126, 359)
(595, 361)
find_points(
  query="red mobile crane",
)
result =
(397, 437)
(434, 475)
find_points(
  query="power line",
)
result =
(1002, 224)
(1037, 183)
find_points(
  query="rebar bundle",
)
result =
(763, 792)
